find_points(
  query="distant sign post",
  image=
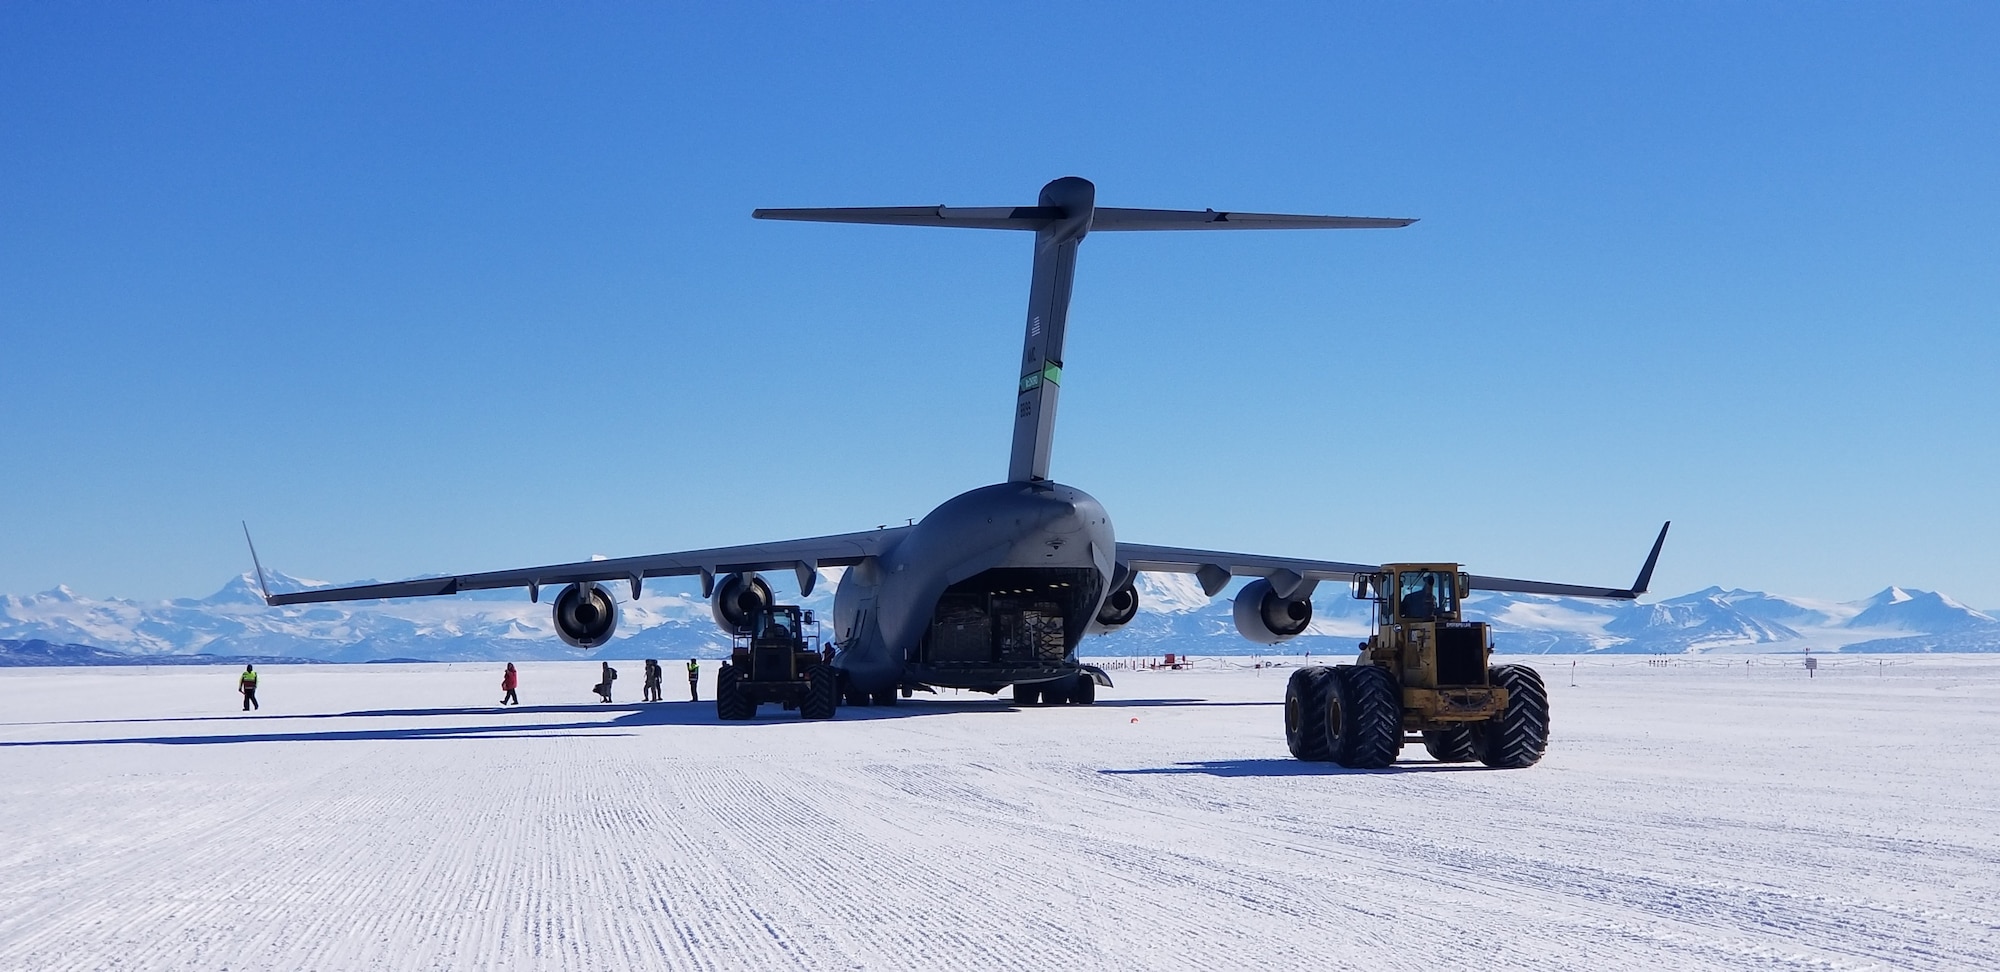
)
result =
(1812, 665)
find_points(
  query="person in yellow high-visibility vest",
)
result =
(247, 685)
(694, 679)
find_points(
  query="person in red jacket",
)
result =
(507, 684)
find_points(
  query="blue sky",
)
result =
(443, 287)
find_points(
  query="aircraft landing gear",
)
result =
(1085, 692)
(1057, 692)
(1079, 689)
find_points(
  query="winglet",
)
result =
(267, 591)
(1646, 572)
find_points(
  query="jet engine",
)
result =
(1265, 618)
(1119, 608)
(586, 615)
(738, 598)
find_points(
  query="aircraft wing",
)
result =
(1214, 568)
(801, 556)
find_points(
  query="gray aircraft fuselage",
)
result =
(996, 586)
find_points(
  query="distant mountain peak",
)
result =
(1175, 616)
(1908, 609)
(244, 587)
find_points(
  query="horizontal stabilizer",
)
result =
(992, 217)
(1110, 219)
(1103, 218)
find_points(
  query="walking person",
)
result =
(247, 686)
(603, 688)
(694, 679)
(655, 676)
(508, 683)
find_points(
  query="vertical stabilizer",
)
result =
(1048, 319)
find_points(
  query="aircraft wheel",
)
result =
(1056, 692)
(1026, 694)
(1085, 692)
(886, 697)
(730, 705)
(1365, 721)
(1452, 745)
(1305, 713)
(824, 695)
(1519, 735)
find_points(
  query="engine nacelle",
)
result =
(1119, 608)
(738, 598)
(586, 615)
(1265, 618)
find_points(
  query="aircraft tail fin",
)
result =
(1065, 212)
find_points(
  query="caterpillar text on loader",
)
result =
(1426, 675)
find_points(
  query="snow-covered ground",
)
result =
(1697, 813)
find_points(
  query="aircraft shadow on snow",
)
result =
(634, 715)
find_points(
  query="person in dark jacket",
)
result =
(654, 676)
(603, 688)
(1422, 605)
(247, 686)
(508, 683)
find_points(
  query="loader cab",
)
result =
(1406, 593)
(1427, 595)
(780, 625)
(777, 623)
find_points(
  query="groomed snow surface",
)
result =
(1716, 813)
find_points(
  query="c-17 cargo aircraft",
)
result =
(997, 586)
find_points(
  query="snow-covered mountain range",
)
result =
(1174, 617)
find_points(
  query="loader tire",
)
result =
(1452, 745)
(1517, 737)
(823, 695)
(1365, 722)
(1027, 694)
(1305, 713)
(1056, 692)
(730, 705)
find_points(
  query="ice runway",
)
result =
(1716, 815)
